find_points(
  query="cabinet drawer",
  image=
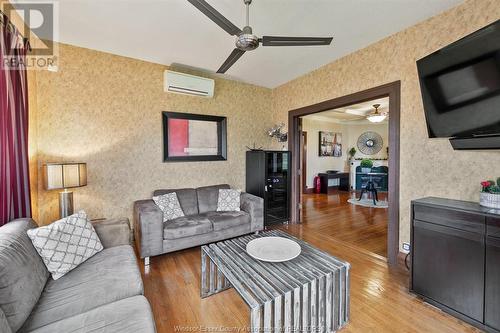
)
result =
(451, 218)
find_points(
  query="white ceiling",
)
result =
(354, 114)
(174, 31)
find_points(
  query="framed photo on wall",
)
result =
(194, 137)
(330, 144)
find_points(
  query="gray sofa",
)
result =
(200, 225)
(103, 294)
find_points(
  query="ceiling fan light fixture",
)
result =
(246, 40)
(376, 116)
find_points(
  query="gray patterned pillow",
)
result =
(169, 205)
(229, 200)
(65, 243)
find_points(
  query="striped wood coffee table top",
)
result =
(308, 293)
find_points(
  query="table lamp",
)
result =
(64, 176)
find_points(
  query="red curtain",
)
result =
(14, 172)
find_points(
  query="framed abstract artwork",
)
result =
(194, 137)
(330, 144)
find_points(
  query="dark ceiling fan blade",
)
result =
(295, 41)
(233, 57)
(215, 16)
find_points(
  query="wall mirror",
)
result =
(370, 143)
(194, 137)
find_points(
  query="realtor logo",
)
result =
(40, 28)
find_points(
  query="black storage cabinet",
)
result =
(268, 177)
(456, 259)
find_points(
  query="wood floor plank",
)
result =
(331, 214)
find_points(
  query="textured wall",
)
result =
(428, 167)
(106, 110)
(33, 143)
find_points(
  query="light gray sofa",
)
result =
(103, 294)
(200, 225)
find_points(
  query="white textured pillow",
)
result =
(229, 200)
(66, 243)
(169, 205)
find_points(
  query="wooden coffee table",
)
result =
(307, 294)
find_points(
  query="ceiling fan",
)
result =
(246, 40)
(376, 116)
(357, 115)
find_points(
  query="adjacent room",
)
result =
(345, 179)
(249, 166)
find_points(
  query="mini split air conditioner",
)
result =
(186, 84)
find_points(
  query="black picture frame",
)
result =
(336, 147)
(221, 137)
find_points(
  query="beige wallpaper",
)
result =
(106, 110)
(428, 167)
(33, 143)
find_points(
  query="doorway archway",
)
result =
(391, 90)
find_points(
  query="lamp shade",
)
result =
(376, 118)
(64, 175)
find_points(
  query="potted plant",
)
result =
(366, 165)
(352, 152)
(490, 194)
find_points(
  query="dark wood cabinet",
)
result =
(378, 175)
(448, 259)
(492, 280)
(268, 176)
(456, 259)
(342, 178)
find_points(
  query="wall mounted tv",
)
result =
(460, 87)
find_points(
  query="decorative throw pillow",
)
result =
(169, 205)
(229, 200)
(66, 243)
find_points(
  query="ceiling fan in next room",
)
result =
(246, 40)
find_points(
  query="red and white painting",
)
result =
(192, 137)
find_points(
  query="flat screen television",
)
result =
(460, 86)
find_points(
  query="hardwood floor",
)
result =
(380, 301)
(333, 216)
